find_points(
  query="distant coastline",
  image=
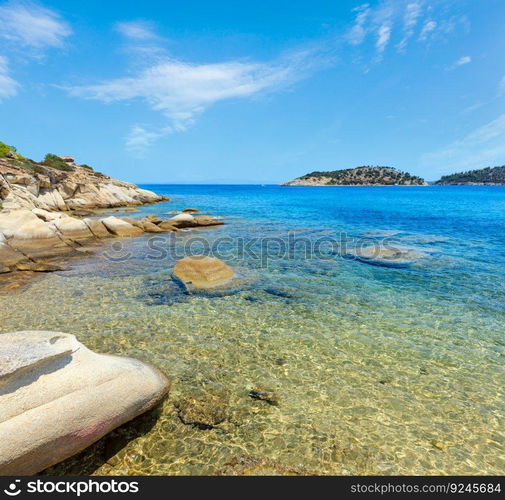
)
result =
(359, 176)
(388, 176)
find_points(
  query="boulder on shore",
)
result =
(120, 227)
(203, 272)
(57, 397)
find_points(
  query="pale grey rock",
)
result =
(57, 397)
(120, 227)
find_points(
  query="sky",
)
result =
(254, 92)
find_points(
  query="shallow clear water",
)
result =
(377, 369)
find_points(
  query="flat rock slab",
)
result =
(22, 350)
(57, 397)
(203, 272)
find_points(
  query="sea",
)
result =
(389, 364)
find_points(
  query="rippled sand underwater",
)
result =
(375, 371)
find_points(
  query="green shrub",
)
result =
(55, 161)
(87, 166)
(5, 149)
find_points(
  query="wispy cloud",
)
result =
(359, 30)
(383, 36)
(139, 139)
(460, 62)
(410, 19)
(26, 30)
(8, 86)
(137, 30)
(428, 28)
(32, 25)
(181, 91)
(399, 21)
(482, 147)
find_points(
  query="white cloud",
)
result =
(483, 147)
(358, 31)
(383, 36)
(461, 62)
(428, 27)
(181, 91)
(31, 25)
(399, 21)
(139, 139)
(411, 17)
(8, 86)
(137, 30)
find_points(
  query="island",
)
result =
(481, 177)
(359, 176)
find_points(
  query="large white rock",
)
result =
(25, 225)
(72, 228)
(120, 227)
(57, 397)
(183, 218)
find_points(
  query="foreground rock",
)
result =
(57, 397)
(202, 272)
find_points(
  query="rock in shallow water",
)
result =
(204, 411)
(253, 466)
(203, 272)
(397, 256)
(57, 397)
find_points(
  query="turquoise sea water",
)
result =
(378, 369)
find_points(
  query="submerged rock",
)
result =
(203, 411)
(252, 466)
(57, 397)
(266, 395)
(203, 272)
(397, 256)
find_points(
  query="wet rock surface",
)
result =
(253, 466)
(204, 411)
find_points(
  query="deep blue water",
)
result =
(461, 228)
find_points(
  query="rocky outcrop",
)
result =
(202, 272)
(186, 220)
(57, 397)
(34, 185)
(29, 236)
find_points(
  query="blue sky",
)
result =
(255, 92)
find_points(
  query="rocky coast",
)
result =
(48, 214)
(56, 396)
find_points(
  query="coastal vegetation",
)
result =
(56, 162)
(360, 176)
(488, 175)
(5, 150)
